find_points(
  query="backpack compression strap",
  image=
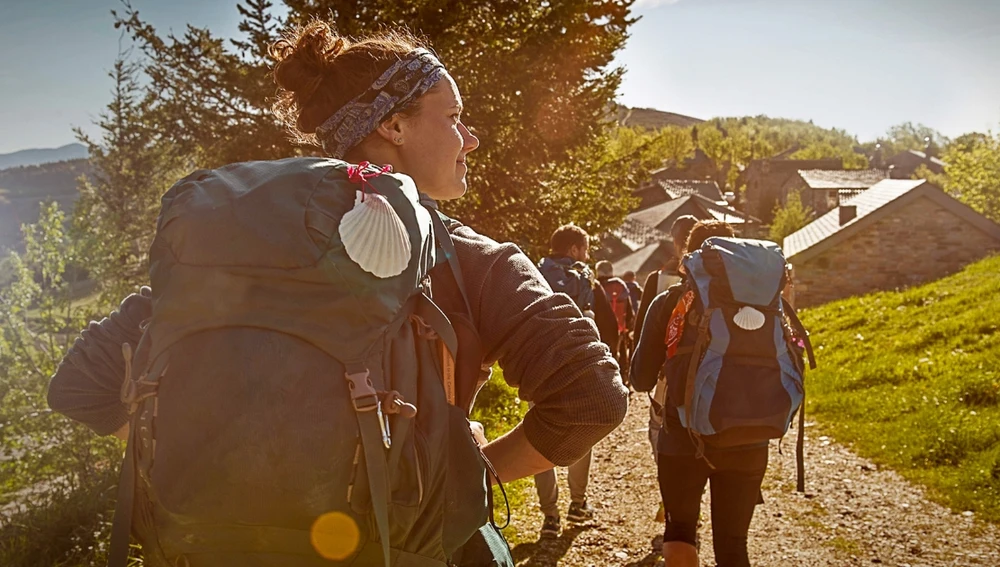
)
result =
(699, 346)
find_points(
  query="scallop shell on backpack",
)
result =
(374, 236)
(748, 318)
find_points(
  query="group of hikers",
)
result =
(294, 387)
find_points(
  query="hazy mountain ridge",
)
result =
(38, 156)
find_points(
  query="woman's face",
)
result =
(435, 143)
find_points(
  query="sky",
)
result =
(858, 65)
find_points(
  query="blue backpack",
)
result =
(734, 365)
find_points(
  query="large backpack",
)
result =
(575, 280)
(290, 407)
(734, 368)
(618, 296)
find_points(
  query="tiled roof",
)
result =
(923, 156)
(635, 235)
(842, 178)
(639, 260)
(661, 216)
(680, 187)
(867, 202)
(657, 215)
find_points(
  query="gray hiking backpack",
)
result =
(292, 397)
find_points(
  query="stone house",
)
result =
(898, 233)
(823, 189)
(767, 182)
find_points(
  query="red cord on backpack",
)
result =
(356, 174)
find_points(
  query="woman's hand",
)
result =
(478, 433)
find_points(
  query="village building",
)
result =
(898, 233)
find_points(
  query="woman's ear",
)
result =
(391, 130)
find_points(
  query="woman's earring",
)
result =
(398, 141)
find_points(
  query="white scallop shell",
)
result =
(748, 318)
(375, 237)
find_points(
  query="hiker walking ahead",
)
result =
(733, 381)
(620, 299)
(317, 332)
(657, 282)
(566, 271)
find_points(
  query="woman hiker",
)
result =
(735, 473)
(335, 93)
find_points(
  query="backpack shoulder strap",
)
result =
(448, 247)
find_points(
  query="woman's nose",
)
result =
(471, 141)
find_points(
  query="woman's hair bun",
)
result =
(305, 57)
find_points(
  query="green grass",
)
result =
(911, 379)
(499, 409)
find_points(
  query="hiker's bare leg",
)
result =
(679, 554)
(514, 457)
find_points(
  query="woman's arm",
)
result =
(548, 350)
(87, 385)
(651, 352)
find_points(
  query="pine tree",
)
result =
(537, 79)
(115, 216)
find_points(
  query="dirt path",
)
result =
(852, 514)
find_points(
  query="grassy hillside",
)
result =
(911, 379)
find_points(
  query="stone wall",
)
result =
(918, 243)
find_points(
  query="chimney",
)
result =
(848, 213)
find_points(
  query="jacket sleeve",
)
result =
(651, 351)
(648, 292)
(548, 350)
(87, 385)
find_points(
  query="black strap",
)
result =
(800, 458)
(797, 325)
(443, 238)
(121, 529)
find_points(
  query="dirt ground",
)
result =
(853, 513)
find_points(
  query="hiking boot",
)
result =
(580, 512)
(550, 527)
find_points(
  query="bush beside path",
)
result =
(853, 513)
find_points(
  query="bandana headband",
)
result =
(402, 83)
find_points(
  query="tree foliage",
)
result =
(909, 136)
(537, 80)
(132, 165)
(973, 173)
(54, 473)
(733, 143)
(789, 218)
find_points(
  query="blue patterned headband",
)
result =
(402, 83)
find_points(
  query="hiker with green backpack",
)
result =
(728, 352)
(295, 385)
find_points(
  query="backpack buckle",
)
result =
(363, 395)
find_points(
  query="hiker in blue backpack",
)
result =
(270, 446)
(719, 343)
(567, 272)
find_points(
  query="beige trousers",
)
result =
(548, 489)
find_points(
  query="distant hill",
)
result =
(22, 189)
(653, 119)
(45, 155)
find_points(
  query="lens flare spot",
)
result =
(335, 536)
